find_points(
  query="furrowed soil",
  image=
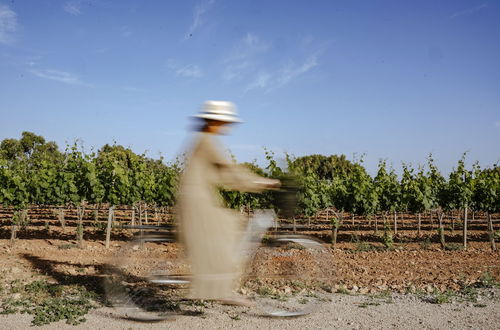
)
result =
(357, 272)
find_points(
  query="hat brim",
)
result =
(224, 118)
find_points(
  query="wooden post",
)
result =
(80, 211)
(133, 216)
(395, 223)
(61, 218)
(333, 227)
(441, 230)
(334, 238)
(294, 225)
(419, 224)
(96, 218)
(491, 231)
(108, 228)
(140, 214)
(453, 221)
(465, 228)
(141, 231)
(376, 224)
(13, 234)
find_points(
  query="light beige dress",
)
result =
(211, 233)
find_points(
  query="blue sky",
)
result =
(389, 79)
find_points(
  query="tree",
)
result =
(388, 190)
(112, 164)
(325, 167)
(486, 195)
(459, 194)
(113, 167)
(439, 199)
(167, 179)
(85, 185)
(337, 195)
(13, 192)
(423, 200)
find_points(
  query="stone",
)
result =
(364, 290)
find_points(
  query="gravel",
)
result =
(340, 312)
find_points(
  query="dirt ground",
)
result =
(359, 269)
(354, 273)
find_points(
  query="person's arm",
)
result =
(236, 177)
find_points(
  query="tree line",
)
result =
(35, 172)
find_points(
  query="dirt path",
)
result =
(342, 312)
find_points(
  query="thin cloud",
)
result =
(8, 24)
(198, 16)
(186, 71)
(468, 11)
(73, 8)
(248, 46)
(291, 71)
(60, 76)
(497, 124)
(190, 71)
(243, 58)
(262, 80)
(236, 71)
(270, 81)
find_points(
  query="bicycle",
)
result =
(143, 284)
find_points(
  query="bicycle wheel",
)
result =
(285, 275)
(146, 278)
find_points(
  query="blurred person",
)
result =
(213, 234)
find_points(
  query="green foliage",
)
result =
(13, 188)
(325, 167)
(20, 218)
(238, 199)
(387, 238)
(487, 280)
(55, 309)
(49, 302)
(343, 290)
(416, 193)
(486, 189)
(460, 187)
(426, 243)
(387, 188)
(34, 171)
(438, 297)
(335, 222)
(453, 247)
(362, 194)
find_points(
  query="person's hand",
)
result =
(273, 184)
(269, 183)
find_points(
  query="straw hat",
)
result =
(219, 110)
